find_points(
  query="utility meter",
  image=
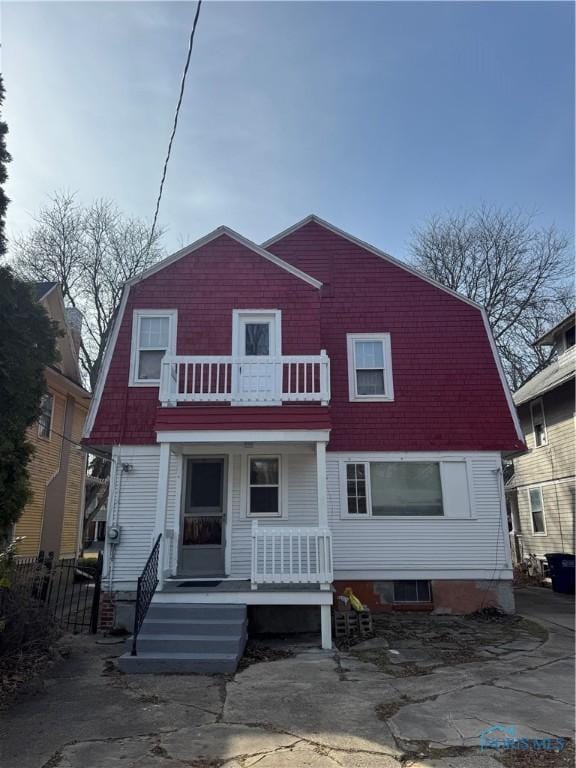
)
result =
(113, 534)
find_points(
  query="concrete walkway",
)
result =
(547, 606)
(313, 710)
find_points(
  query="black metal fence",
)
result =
(70, 588)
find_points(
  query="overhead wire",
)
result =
(175, 123)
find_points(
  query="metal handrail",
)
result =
(147, 583)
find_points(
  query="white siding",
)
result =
(473, 542)
(136, 494)
(470, 540)
(298, 499)
(133, 508)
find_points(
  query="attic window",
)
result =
(569, 337)
(153, 336)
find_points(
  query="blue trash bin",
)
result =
(561, 566)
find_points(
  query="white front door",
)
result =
(258, 344)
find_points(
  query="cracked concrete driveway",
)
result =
(316, 709)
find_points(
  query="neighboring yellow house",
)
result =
(52, 521)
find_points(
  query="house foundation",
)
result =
(458, 596)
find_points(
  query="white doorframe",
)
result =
(238, 315)
(228, 488)
(226, 501)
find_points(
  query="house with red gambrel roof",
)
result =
(288, 420)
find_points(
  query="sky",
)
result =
(375, 116)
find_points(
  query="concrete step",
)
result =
(209, 644)
(181, 638)
(179, 663)
(195, 611)
(178, 626)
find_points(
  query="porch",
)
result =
(244, 523)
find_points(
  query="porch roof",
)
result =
(257, 419)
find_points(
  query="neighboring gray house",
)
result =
(540, 493)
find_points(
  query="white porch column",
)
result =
(161, 504)
(326, 627)
(321, 483)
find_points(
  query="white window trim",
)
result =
(345, 515)
(545, 435)
(281, 504)
(388, 395)
(273, 315)
(238, 314)
(48, 437)
(545, 531)
(137, 315)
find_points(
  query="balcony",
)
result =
(245, 380)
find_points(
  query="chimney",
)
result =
(74, 321)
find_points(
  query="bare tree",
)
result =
(521, 275)
(91, 251)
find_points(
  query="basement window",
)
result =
(412, 592)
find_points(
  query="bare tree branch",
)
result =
(501, 260)
(91, 251)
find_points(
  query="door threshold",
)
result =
(199, 578)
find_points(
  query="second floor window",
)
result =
(45, 418)
(538, 423)
(153, 335)
(370, 366)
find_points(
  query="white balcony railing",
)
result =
(253, 380)
(291, 555)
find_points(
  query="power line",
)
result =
(84, 448)
(175, 125)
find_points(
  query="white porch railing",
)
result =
(254, 380)
(291, 555)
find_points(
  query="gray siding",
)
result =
(556, 459)
(550, 466)
(558, 499)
